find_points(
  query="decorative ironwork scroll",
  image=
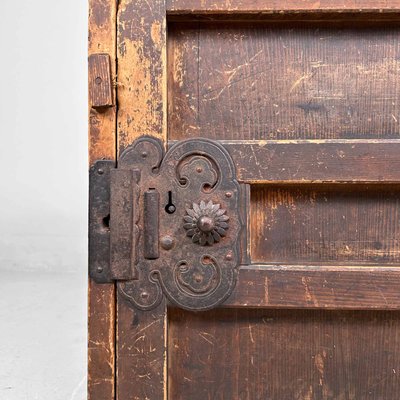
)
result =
(175, 224)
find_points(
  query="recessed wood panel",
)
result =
(341, 224)
(284, 80)
(284, 355)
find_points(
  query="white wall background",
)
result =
(43, 200)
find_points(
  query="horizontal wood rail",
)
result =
(331, 161)
(258, 6)
(316, 287)
(316, 161)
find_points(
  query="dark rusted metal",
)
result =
(206, 223)
(187, 198)
(124, 191)
(151, 224)
(99, 219)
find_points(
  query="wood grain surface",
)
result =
(142, 83)
(267, 6)
(309, 111)
(316, 161)
(141, 352)
(102, 39)
(142, 92)
(317, 287)
(101, 85)
(297, 80)
(102, 143)
(249, 354)
(356, 224)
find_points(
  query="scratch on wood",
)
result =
(308, 293)
(251, 334)
(266, 290)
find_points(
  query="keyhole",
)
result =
(106, 222)
(170, 207)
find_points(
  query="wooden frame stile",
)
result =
(102, 122)
(142, 92)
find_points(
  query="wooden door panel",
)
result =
(308, 111)
(353, 225)
(306, 102)
(284, 355)
(294, 80)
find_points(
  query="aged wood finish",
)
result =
(310, 286)
(306, 101)
(101, 297)
(142, 86)
(196, 7)
(102, 39)
(141, 335)
(309, 113)
(260, 354)
(355, 224)
(316, 161)
(244, 209)
(284, 80)
(141, 352)
(100, 81)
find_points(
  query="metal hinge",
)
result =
(166, 225)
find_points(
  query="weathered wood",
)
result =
(101, 341)
(245, 192)
(102, 39)
(356, 224)
(325, 287)
(284, 80)
(141, 352)
(142, 83)
(196, 7)
(250, 354)
(100, 81)
(315, 161)
(346, 161)
(142, 92)
(102, 142)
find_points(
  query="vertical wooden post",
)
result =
(142, 93)
(102, 144)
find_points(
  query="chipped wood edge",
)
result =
(142, 110)
(102, 144)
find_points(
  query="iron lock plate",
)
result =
(166, 224)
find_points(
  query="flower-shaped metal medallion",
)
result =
(206, 223)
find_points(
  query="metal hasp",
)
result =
(166, 225)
